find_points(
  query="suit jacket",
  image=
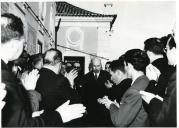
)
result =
(159, 87)
(55, 90)
(131, 112)
(163, 114)
(17, 112)
(117, 91)
(98, 115)
(96, 86)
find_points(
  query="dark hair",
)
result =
(137, 58)
(109, 62)
(68, 66)
(12, 29)
(52, 59)
(34, 59)
(22, 61)
(154, 45)
(171, 42)
(117, 65)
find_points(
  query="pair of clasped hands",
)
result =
(152, 73)
(146, 96)
(107, 102)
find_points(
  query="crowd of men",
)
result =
(136, 90)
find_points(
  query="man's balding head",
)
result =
(52, 56)
(96, 62)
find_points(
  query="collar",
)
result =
(4, 65)
(4, 60)
(96, 73)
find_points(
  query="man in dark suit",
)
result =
(17, 111)
(94, 88)
(119, 77)
(54, 87)
(162, 111)
(154, 48)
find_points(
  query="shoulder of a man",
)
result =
(131, 93)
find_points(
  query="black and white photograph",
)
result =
(88, 63)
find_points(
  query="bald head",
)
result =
(52, 56)
(96, 63)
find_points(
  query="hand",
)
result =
(106, 101)
(2, 95)
(116, 103)
(37, 113)
(71, 76)
(152, 72)
(158, 97)
(70, 112)
(147, 96)
(108, 84)
(29, 81)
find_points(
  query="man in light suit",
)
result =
(130, 111)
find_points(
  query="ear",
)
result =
(118, 72)
(125, 63)
(13, 46)
(55, 62)
(149, 53)
(173, 49)
(130, 65)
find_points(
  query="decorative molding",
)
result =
(4, 7)
(79, 41)
(83, 19)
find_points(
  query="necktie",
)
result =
(96, 77)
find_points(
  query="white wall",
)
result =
(136, 21)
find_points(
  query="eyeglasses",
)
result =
(59, 61)
(165, 50)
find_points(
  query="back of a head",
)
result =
(22, 61)
(117, 65)
(35, 59)
(171, 42)
(11, 27)
(109, 62)
(154, 45)
(52, 56)
(107, 65)
(76, 64)
(137, 58)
